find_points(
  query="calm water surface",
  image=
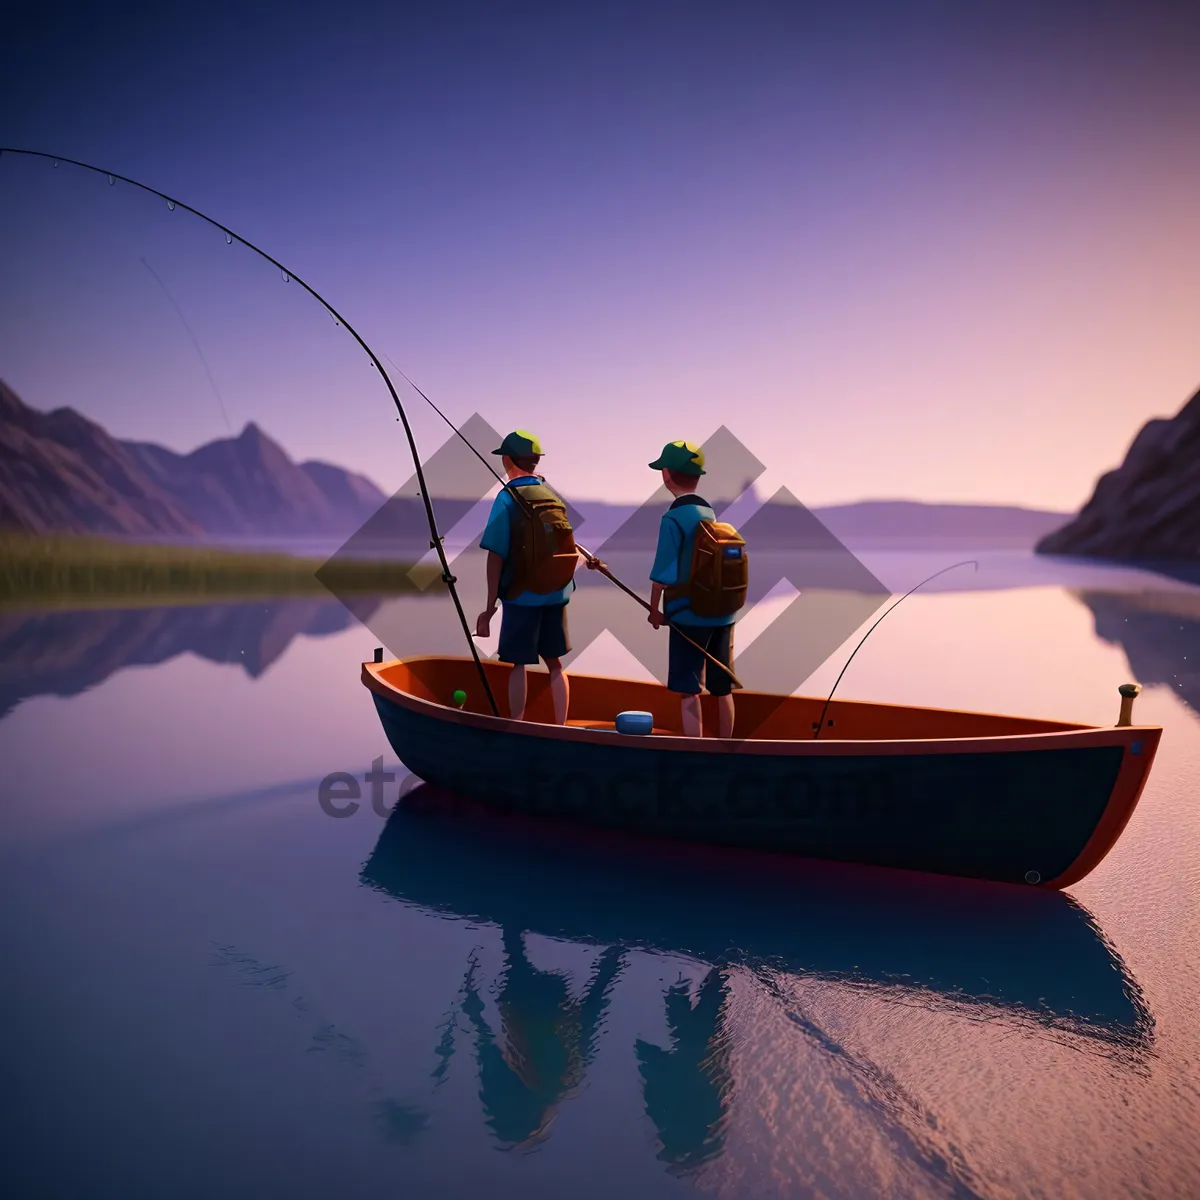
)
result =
(215, 989)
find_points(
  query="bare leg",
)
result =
(692, 726)
(560, 689)
(725, 715)
(516, 692)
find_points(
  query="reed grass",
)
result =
(56, 569)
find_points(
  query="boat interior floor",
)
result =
(595, 702)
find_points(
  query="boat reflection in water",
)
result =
(1030, 957)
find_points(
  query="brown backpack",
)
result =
(720, 574)
(542, 545)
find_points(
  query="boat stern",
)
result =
(1139, 744)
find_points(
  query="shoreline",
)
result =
(67, 571)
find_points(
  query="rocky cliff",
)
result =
(1149, 507)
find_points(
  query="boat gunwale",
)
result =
(1075, 735)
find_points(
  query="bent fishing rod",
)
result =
(288, 276)
(821, 723)
(593, 562)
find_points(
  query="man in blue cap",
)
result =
(535, 590)
(682, 464)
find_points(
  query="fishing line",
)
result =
(821, 723)
(292, 277)
(194, 343)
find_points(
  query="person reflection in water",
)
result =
(547, 1043)
(687, 1089)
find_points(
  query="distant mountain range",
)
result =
(870, 523)
(1149, 507)
(60, 472)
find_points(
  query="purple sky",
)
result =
(932, 251)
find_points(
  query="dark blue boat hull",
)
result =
(1015, 816)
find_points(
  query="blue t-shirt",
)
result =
(496, 537)
(673, 559)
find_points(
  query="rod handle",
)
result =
(1129, 692)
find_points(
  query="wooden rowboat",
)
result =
(1009, 799)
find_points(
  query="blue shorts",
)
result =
(687, 666)
(529, 632)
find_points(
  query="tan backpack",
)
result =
(720, 574)
(542, 544)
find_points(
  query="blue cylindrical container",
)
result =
(635, 722)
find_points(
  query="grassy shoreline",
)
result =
(60, 569)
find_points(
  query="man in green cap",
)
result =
(531, 565)
(690, 516)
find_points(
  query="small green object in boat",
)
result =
(460, 698)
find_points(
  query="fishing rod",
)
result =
(593, 562)
(821, 723)
(289, 276)
(603, 569)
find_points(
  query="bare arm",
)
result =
(666, 567)
(495, 565)
(656, 613)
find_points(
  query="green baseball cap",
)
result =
(519, 444)
(685, 457)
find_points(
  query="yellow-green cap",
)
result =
(519, 444)
(685, 457)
